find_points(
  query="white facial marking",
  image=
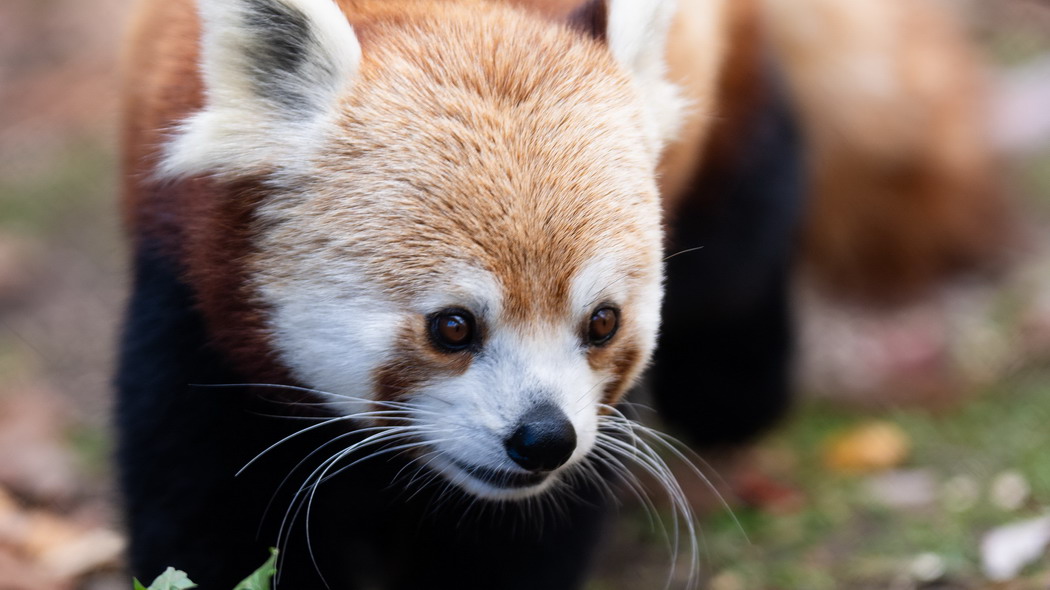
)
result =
(335, 327)
(468, 287)
(332, 330)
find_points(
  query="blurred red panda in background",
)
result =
(900, 192)
(441, 228)
(895, 104)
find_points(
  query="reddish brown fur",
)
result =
(904, 187)
(742, 85)
(528, 220)
(622, 360)
(199, 222)
(220, 226)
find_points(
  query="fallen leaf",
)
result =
(1009, 490)
(48, 545)
(47, 531)
(757, 489)
(927, 568)
(35, 461)
(8, 506)
(913, 488)
(18, 574)
(1007, 549)
(89, 551)
(726, 581)
(870, 447)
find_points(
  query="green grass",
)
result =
(1016, 45)
(93, 449)
(842, 538)
(1034, 175)
(79, 186)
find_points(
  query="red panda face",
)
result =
(474, 258)
(462, 367)
(466, 238)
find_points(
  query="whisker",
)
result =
(281, 386)
(629, 404)
(309, 455)
(650, 507)
(297, 502)
(619, 438)
(423, 471)
(681, 511)
(680, 252)
(323, 477)
(624, 452)
(625, 275)
(687, 456)
(377, 413)
(633, 485)
(588, 392)
(384, 451)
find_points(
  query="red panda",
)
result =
(437, 228)
(894, 104)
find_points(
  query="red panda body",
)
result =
(437, 229)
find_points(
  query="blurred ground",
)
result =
(924, 428)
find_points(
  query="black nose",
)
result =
(544, 440)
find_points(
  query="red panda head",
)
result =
(462, 223)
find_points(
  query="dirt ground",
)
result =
(978, 349)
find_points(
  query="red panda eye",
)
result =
(602, 328)
(452, 330)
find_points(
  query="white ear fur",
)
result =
(273, 72)
(637, 34)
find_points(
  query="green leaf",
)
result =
(171, 579)
(138, 584)
(260, 580)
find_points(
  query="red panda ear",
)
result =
(273, 73)
(591, 19)
(636, 33)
